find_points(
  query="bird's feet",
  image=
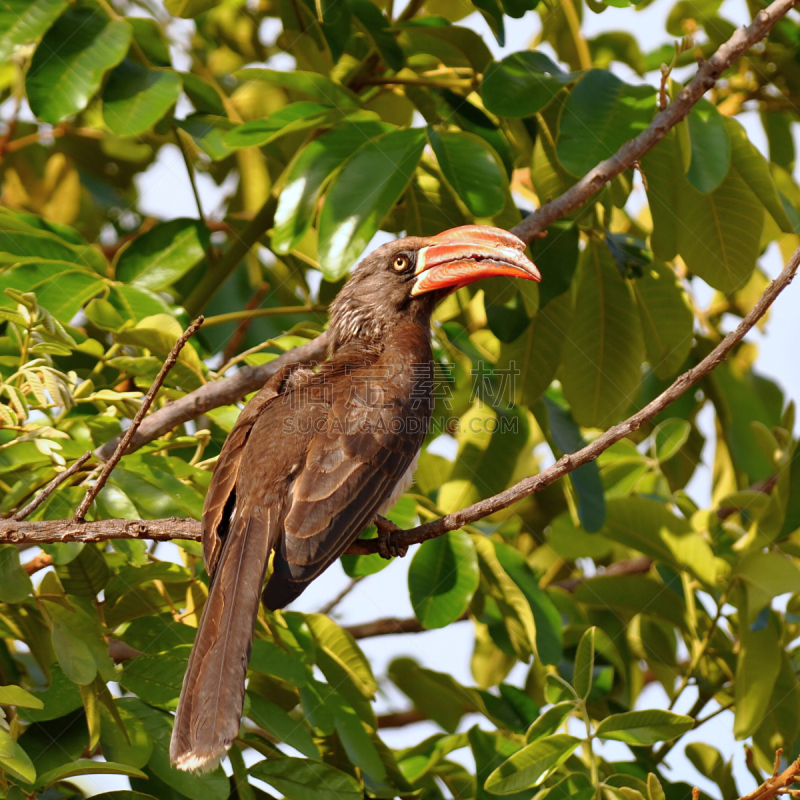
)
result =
(386, 547)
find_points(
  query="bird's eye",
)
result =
(400, 263)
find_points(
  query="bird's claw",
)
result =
(386, 547)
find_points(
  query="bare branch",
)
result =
(399, 719)
(778, 782)
(51, 487)
(112, 462)
(678, 109)
(215, 394)
(67, 530)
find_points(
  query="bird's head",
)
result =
(405, 279)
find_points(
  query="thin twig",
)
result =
(777, 783)
(190, 170)
(40, 561)
(170, 362)
(328, 607)
(51, 487)
(247, 314)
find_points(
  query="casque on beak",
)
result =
(470, 253)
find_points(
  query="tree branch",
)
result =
(250, 379)
(778, 783)
(112, 462)
(678, 109)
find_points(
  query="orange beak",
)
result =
(470, 253)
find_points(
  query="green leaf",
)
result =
(545, 615)
(86, 766)
(442, 579)
(124, 738)
(668, 438)
(708, 761)
(208, 132)
(157, 679)
(667, 319)
(766, 575)
(304, 779)
(584, 664)
(522, 84)
(353, 212)
(15, 583)
(532, 765)
(644, 727)
(493, 14)
(17, 696)
(158, 258)
(706, 229)
(535, 356)
(23, 21)
(291, 118)
(135, 97)
(340, 645)
(601, 369)
(316, 87)
(73, 655)
(379, 30)
(87, 575)
(549, 722)
(651, 528)
(15, 760)
(472, 169)
(189, 8)
(711, 148)
(586, 479)
(23, 234)
(754, 169)
(70, 61)
(610, 111)
(275, 720)
(156, 494)
(514, 608)
(633, 594)
(61, 697)
(309, 172)
(60, 287)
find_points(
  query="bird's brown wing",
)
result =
(221, 495)
(352, 465)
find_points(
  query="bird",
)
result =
(317, 455)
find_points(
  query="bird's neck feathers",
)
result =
(357, 321)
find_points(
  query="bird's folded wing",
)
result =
(352, 466)
(221, 495)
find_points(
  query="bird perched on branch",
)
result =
(315, 456)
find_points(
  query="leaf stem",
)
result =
(280, 311)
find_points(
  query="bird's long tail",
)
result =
(210, 706)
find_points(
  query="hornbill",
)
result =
(316, 455)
